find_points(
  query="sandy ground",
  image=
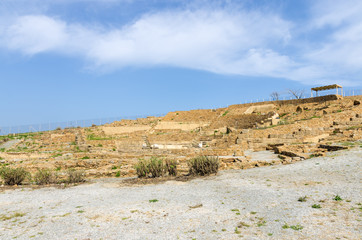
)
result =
(259, 203)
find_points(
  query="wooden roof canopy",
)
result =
(333, 86)
(328, 87)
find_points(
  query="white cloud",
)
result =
(225, 41)
(35, 34)
(339, 55)
(337, 12)
(218, 41)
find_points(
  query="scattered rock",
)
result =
(196, 206)
(332, 148)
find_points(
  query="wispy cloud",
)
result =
(340, 53)
(221, 40)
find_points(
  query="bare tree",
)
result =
(275, 96)
(296, 93)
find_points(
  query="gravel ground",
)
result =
(235, 204)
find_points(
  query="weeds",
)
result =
(156, 167)
(153, 200)
(316, 206)
(14, 176)
(75, 176)
(15, 215)
(171, 167)
(141, 168)
(302, 199)
(93, 137)
(294, 227)
(44, 176)
(203, 165)
(153, 167)
(337, 198)
(261, 222)
(242, 224)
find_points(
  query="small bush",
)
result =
(316, 206)
(75, 176)
(337, 198)
(14, 176)
(156, 167)
(141, 168)
(153, 167)
(44, 176)
(171, 167)
(302, 199)
(203, 165)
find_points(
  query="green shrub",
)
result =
(302, 199)
(153, 167)
(12, 176)
(171, 167)
(44, 176)
(156, 167)
(75, 176)
(337, 198)
(141, 168)
(203, 165)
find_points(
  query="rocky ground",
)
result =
(238, 135)
(258, 203)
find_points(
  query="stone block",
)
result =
(275, 121)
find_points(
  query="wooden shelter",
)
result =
(328, 87)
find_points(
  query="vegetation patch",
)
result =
(155, 167)
(294, 227)
(44, 176)
(302, 199)
(225, 113)
(94, 137)
(203, 165)
(337, 198)
(75, 176)
(171, 167)
(4, 217)
(14, 176)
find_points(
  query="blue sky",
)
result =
(80, 59)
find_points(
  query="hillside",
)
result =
(293, 129)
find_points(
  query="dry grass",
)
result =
(203, 165)
(14, 176)
(44, 176)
